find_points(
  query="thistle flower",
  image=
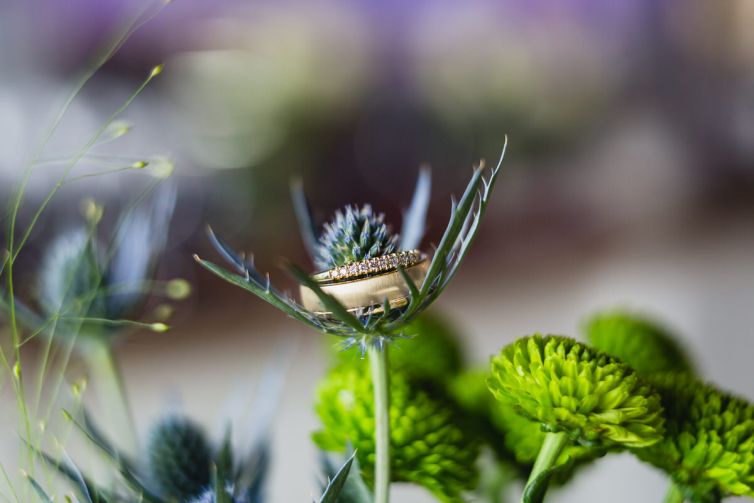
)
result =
(708, 447)
(568, 387)
(361, 232)
(89, 289)
(179, 458)
(181, 464)
(641, 343)
(353, 235)
(430, 446)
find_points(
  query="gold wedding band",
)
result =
(368, 293)
(370, 266)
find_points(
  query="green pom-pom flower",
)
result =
(180, 458)
(644, 345)
(355, 234)
(571, 388)
(512, 436)
(429, 444)
(708, 449)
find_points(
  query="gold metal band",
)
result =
(370, 266)
(368, 293)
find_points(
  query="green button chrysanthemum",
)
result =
(511, 435)
(708, 449)
(429, 444)
(643, 344)
(569, 387)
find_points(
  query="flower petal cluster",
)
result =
(354, 234)
(569, 387)
(708, 448)
(179, 458)
(641, 343)
(362, 327)
(429, 444)
(514, 438)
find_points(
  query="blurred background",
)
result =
(629, 179)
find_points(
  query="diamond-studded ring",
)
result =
(368, 294)
(370, 267)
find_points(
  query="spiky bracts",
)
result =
(354, 234)
(429, 445)
(641, 343)
(430, 350)
(569, 387)
(180, 459)
(69, 284)
(708, 448)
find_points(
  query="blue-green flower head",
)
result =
(430, 445)
(708, 448)
(180, 458)
(85, 283)
(355, 234)
(569, 387)
(638, 341)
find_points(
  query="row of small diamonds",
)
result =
(374, 265)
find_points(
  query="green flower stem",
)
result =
(674, 494)
(108, 382)
(378, 361)
(548, 454)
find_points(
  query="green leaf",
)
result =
(414, 219)
(265, 292)
(355, 489)
(119, 460)
(46, 498)
(335, 307)
(337, 483)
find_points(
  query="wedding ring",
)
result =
(370, 266)
(368, 293)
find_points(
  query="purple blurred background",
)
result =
(629, 179)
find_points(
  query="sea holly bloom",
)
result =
(88, 289)
(357, 234)
(576, 394)
(369, 302)
(638, 341)
(708, 447)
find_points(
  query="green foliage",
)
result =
(567, 386)
(429, 444)
(641, 343)
(179, 458)
(355, 234)
(708, 448)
